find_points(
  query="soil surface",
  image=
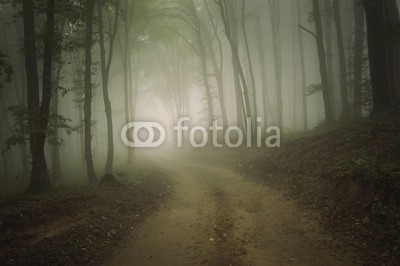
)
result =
(77, 227)
(217, 218)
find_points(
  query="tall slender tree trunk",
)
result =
(89, 92)
(261, 55)
(229, 21)
(334, 95)
(384, 53)
(342, 61)
(31, 70)
(322, 62)
(217, 69)
(250, 63)
(105, 72)
(55, 149)
(303, 70)
(127, 74)
(275, 20)
(359, 20)
(39, 165)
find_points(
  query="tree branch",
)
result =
(309, 31)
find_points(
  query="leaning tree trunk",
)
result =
(322, 62)
(358, 57)
(384, 53)
(342, 61)
(87, 106)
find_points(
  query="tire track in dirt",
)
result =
(217, 218)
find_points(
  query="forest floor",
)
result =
(75, 226)
(330, 197)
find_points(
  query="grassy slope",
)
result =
(350, 174)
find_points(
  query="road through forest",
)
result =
(215, 217)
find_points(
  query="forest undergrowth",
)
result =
(349, 174)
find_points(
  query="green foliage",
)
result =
(6, 70)
(363, 166)
(25, 124)
(391, 169)
(313, 88)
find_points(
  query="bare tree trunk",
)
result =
(218, 70)
(384, 53)
(89, 92)
(261, 55)
(250, 62)
(242, 99)
(275, 19)
(322, 63)
(105, 72)
(359, 19)
(342, 61)
(39, 176)
(55, 149)
(303, 70)
(334, 95)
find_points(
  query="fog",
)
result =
(173, 59)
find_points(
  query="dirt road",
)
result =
(217, 218)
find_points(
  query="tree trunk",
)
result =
(322, 63)
(274, 14)
(242, 101)
(342, 61)
(203, 59)
(250, 62)
(32, 81)
(261, 55)
(358, 57)
(105, 72)
(303, 71)
(89, 92)
(55, 149)
(334, 95)
(383, 46)
(217, 70)
(39, 176)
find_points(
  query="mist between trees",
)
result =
(73, 73)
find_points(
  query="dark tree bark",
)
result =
(31, 70)
(342, 61)
(55, 149)
(87, 106)
(39, 175)
(359, 20)
(384, 53)
(303, 70)
(334, 95)
(105, 72)
(322, 62)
